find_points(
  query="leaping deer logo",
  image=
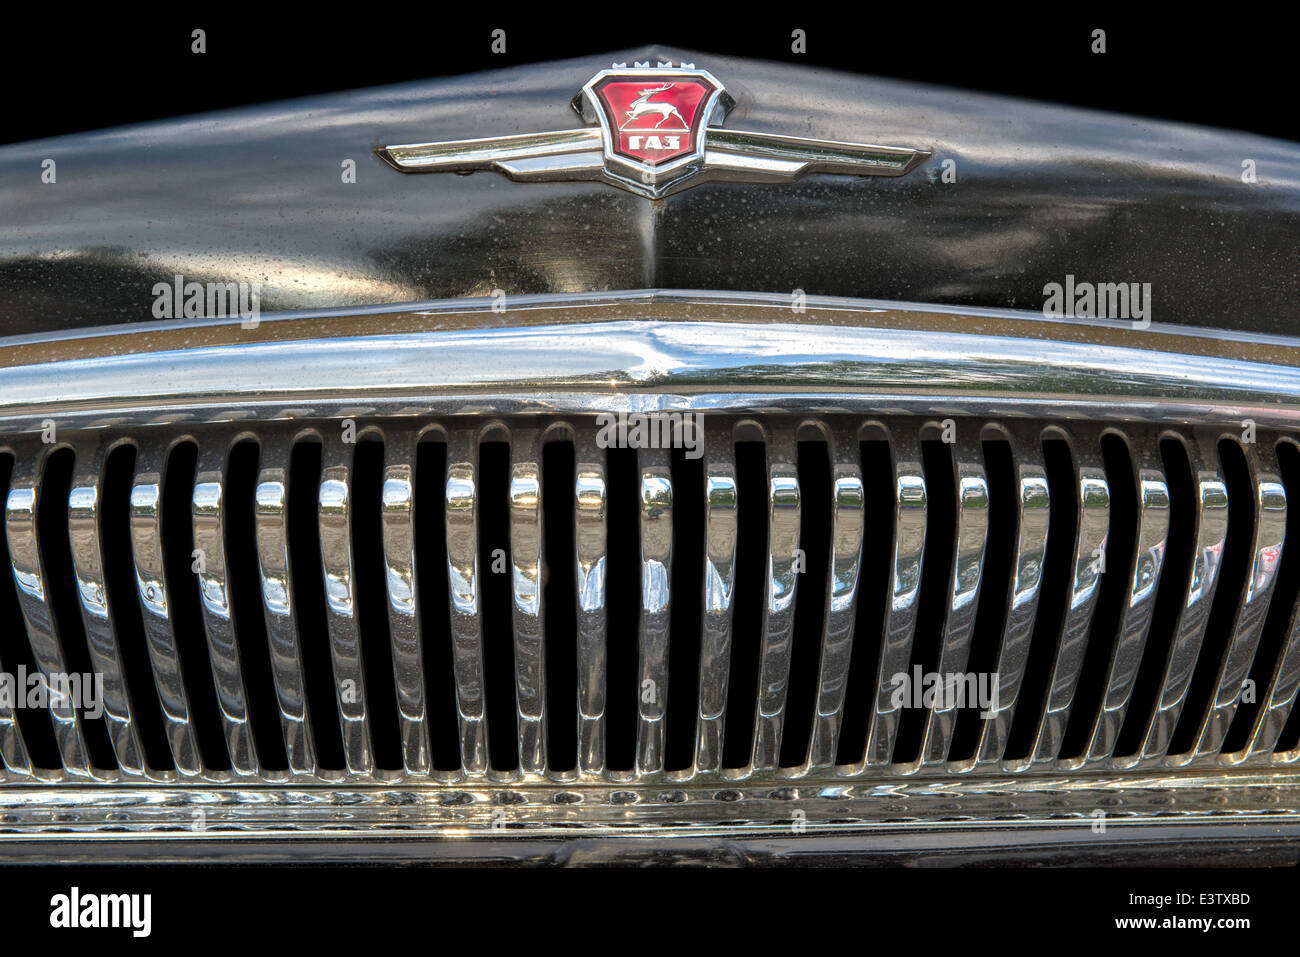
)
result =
(642, 106)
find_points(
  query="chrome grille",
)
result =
(289, 605)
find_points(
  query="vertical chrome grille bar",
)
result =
(1033, 507)
(1266, 551)
(656, 605)
(160, 637)
(963, 590)
(214, 591)
(1211, 537)
(271, 503)
(334, 502)
(778, 597)
(904, 588)
(463, 586)
(721, 504)
(590, 501)
(1089, 550)
(1282, 692)
(1280, 699)
(21, 509)
(398, 520)
(526, 591)
(1152, 537)
(849, 503)
(85, 516)
(13, 749)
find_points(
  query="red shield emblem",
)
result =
(655, 117)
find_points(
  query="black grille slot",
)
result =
(1062, 487)
(1172, 596)
(751, 567)
(494, 569)
(815, 518)
(999, 561)
(435, 627)
(246, 605)
(1281, 610)
(115, 539)
(936, 569)
(873, 598)
(684, 645)
(183, 604)
(368, 568)
(623, 599)
(309, 600)
(1119, 556)
(559, 560)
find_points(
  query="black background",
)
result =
(973, 910)
(65, 72)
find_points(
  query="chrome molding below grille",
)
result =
(1193, 807)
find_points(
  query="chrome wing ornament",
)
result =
(653, 131)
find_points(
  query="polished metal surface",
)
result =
(652, 797)
(1039, 189)
(715, 644)
(399, 529)
(909, 518)
(155, 605)
(1089, 551)
(656, 608)
(29, 574)
(782, 579)
(1280, 697)
(1266, 552)
(591, 547)
(967, 576)
(847, 524)
(85, 511)
(715, 154)
(672, 350)
(1012, 817)
(526, 544)
(1032, 506)
(463, 568)
(209, 518)
(341, 614)
(271, 522)
(454, 310)
(1148, 562)
(1211, 538)
(721, 518)
(750, 376)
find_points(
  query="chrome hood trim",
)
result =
(649, 350)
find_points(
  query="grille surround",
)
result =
(805, 393)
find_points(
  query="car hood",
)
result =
(1034, 193)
